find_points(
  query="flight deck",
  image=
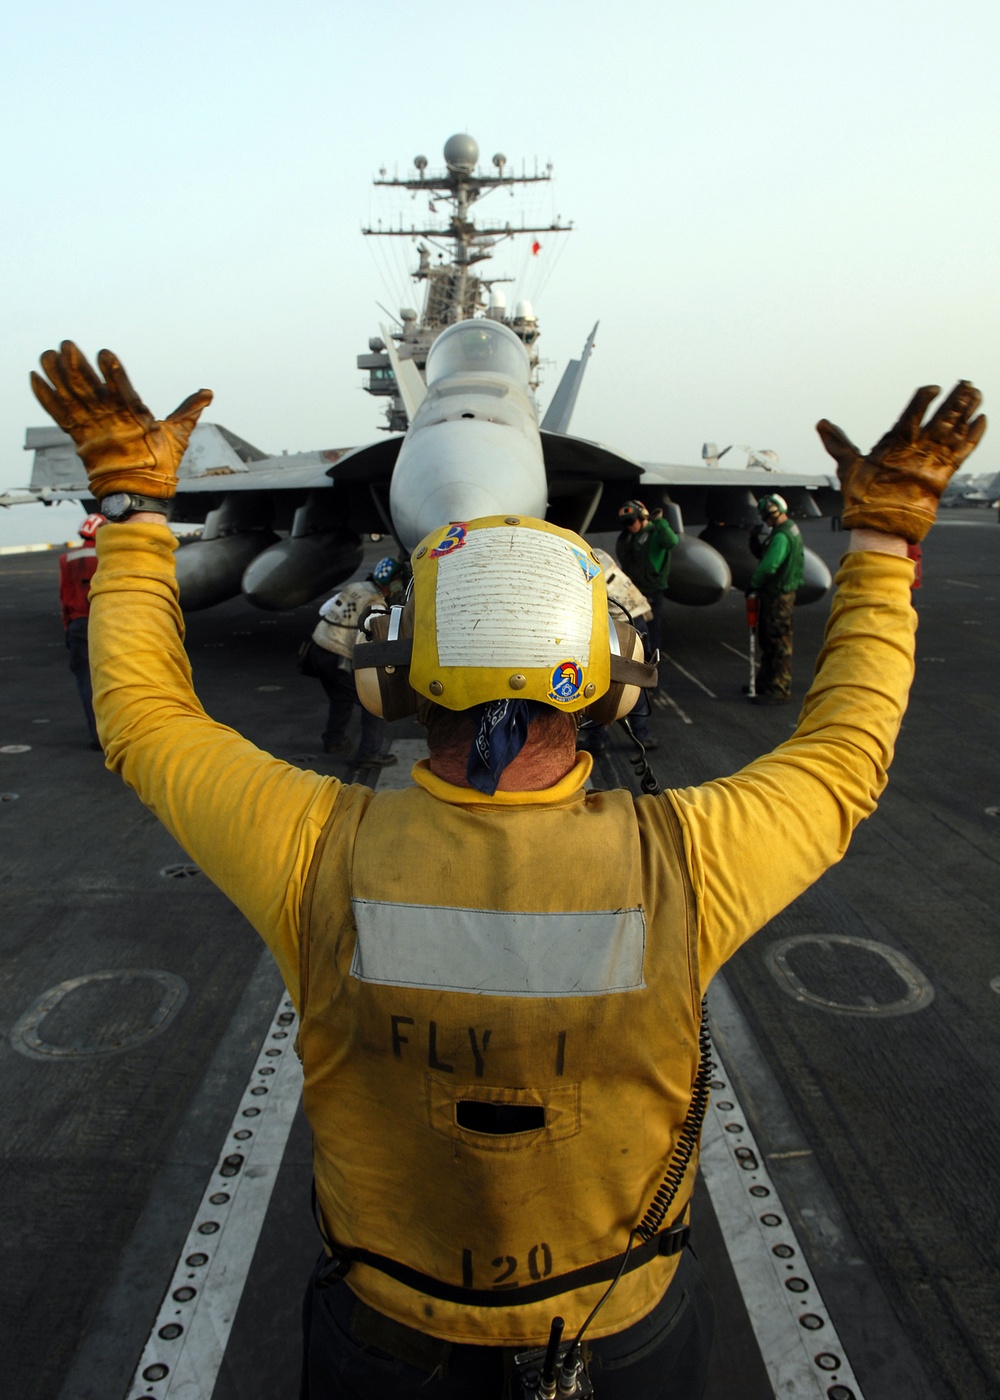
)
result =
(154, 1166)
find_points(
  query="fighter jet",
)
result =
(461, 379)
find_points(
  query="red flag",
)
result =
(536, 248)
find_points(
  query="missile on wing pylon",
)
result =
(295, 570)
(699, 574)
(239, 552)
(732, 542)
(320, 552)
(211, 569)
(473, 447)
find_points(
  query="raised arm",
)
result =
(756, 840)
(250, 821)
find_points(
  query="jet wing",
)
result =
(217, 461)
(283, 529)
(755, 478)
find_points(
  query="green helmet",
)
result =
(772, 505)
(632, 511)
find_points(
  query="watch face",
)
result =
(115, 506)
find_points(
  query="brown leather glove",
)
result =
(121, 444)
(896, 488)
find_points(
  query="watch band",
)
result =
(136, 503)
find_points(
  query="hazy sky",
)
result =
(782, 210)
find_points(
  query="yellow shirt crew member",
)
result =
(498, 973)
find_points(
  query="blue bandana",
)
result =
(501, 731)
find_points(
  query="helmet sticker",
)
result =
(386, 570)
(453, 539)
(566, 682)
(589, 567)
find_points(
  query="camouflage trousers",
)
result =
(774, 633)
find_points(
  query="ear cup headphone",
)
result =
(382, 662)
(384, 648)
(630, 673)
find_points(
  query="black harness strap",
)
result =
(666, 1243)
(397, 653)
(629, 672)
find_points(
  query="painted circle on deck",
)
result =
(98, 1014)
(848, 976)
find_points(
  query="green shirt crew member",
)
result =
(644, 547)
(781, 567)
(776, 578)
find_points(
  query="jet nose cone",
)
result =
(462, 469)
(459, 500)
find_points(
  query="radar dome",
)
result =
(461, 154)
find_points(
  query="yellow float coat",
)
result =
(394, 1032)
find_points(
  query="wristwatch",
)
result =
(121, 504)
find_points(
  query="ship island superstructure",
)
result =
(453, 291)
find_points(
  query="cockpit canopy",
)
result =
(477, 347)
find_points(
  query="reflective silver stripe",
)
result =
(491, 952)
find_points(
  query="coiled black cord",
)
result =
(687, 1138)
(680, 1160)
(640, 764)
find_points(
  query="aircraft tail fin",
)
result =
(55, 467)
(212, 451)
(560, 410)
(412, 389)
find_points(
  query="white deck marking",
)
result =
(674, 706)
(693, 679)
(743, 655)
(798, 1341)
(188, 1340)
